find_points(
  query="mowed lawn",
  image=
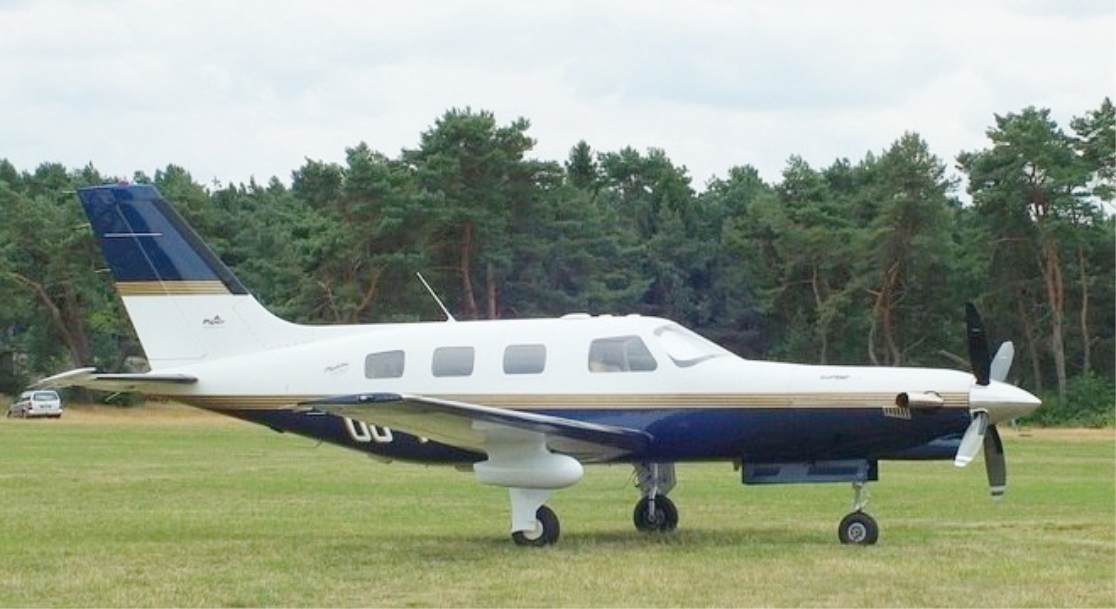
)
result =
(165, 506)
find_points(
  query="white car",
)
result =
(39, 403)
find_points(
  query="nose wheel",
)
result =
(859, 528)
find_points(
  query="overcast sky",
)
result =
(235, 89)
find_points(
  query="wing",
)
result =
(466, 425)
(91, 379)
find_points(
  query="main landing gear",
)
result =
(533, 524)
(536, 525)
(858, 527)
(655, 513)
(546, 530)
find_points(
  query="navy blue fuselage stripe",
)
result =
(762, 436)
(143, 238)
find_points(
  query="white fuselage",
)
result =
(684, 370)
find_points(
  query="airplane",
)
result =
(524, 404)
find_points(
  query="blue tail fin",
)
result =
(184, 303)
(145, 240)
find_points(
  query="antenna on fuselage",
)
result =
(449, 317)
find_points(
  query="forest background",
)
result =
(867, 262)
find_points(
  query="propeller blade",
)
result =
(1001, 364)
(971, 441)
(994, 462)
(978, 345)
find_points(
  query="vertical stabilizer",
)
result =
(184, 303)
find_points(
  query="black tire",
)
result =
(547, 534)
(663, 520)
(858, 528)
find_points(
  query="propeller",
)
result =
(972, 440)
(994, 463)
(978, 345)
(982, 431)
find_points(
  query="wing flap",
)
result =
(456, 424)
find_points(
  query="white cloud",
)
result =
(251, 88)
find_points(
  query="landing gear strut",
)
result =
(655, 513)
(858, 527)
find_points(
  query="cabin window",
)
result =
(384, 365)
(524, 359)
(620, 354)
(453, 361)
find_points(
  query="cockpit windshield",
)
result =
(686, 348)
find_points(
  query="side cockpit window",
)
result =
(384, 365)
(620, 354)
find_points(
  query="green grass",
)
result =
(104, 510)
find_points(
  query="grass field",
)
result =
(165, 506)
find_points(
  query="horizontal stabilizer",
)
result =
(462, 424)
(91, 379)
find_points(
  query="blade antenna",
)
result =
(449, 316)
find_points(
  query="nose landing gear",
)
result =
(858, 527)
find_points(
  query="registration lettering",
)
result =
(364, 433)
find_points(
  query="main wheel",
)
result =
(858, 528)
(546, 530)
(662, 519)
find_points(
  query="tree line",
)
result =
(866, 262)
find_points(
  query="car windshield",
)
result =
(43, 396)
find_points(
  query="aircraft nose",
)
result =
(1002, 401)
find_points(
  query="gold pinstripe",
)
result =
(170, 288)
(726, 401)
